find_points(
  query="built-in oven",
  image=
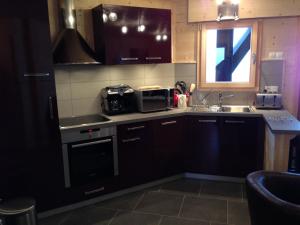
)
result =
(89, 155)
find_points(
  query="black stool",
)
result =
(19, 211)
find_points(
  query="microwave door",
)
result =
(155, 100)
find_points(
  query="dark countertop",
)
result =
(279, 121)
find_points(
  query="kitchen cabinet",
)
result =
(30, 156)
(129, 35)
(135, 153)
(242, 145)
(168, 145)
(203, 141)
(224, 146)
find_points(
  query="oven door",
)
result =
(89, 161)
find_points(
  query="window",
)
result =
(228, 55)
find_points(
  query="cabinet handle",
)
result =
(91, 143)
(153, 58)
(51, 108)
(168, 123)
(207, 121)
(235, 121)
(36, 74)
(129, 59)
(135, 128)
(131, 140)
(94, 191)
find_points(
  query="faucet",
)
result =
(221, 97)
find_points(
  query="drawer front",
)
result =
(133, 130)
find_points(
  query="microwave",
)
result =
(151, 100)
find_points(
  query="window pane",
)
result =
(228, 55)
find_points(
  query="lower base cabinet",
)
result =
(168, 145)
(224, 146)
(135, 154)
(242, 145)
(202, 154)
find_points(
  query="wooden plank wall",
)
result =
(283, 34)
(206, 10)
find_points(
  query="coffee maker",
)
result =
(118, 99)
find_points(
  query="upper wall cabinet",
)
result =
(132, 35)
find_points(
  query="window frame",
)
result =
(254, 72)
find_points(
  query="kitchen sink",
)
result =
(231, 108)
(225, 108)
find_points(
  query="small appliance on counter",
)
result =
(154, 98)
(118, 99)
(268, 101)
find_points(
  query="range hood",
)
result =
(70, 48)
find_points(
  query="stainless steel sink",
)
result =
(231, 108)
(225, 108)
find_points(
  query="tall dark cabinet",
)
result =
(30, 154)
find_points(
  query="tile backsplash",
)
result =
(78, 87)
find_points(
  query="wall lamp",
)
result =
(228, 10)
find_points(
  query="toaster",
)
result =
(268, 101)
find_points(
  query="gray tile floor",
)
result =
(181, 202)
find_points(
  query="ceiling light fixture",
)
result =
(228, 10)
(141, 28)
(113, 16)
(158, 37)
(104, 17)
(124, 29)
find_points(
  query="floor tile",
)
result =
(238, 213)
(182, 186)
(206, 209)
(126, 202)
(225, 190)
(181, 221)
(160, 203)
(54, 220)
(132, 218)
(90, 216)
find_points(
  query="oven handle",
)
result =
(91, 143)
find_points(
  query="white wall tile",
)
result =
(161, 71)
(163, 82)
(89, 73)
(63, 91)
(127, 72)
(62, 76)
(87, 89)
(86, 106)
(64, 108)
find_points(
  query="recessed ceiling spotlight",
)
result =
(158, 37)
(113, 16)
(124, 29)
(165, 37)
(104, 17)
(141, 28)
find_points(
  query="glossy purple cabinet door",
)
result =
(158, 35)
(128, 35)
